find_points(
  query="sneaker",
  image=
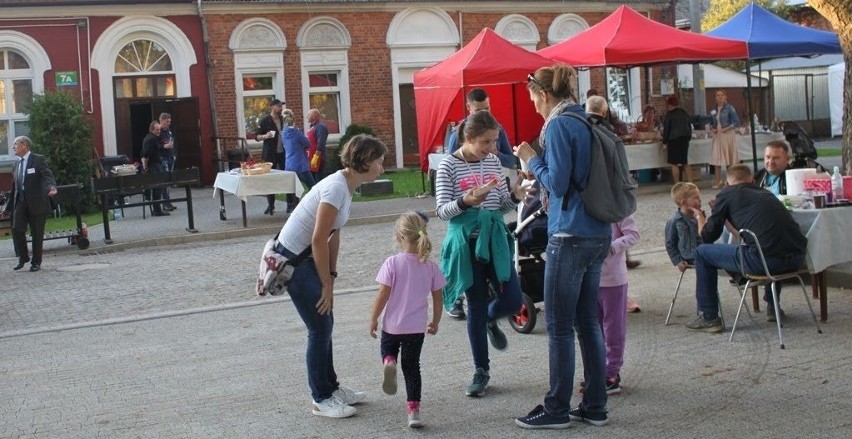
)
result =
(332, 408)
(770, 313)
(389, 381)
(414, 415)
(496, 336)
(457, 311)
(596, 419)
(538, 418)
(613, 385)
(477, 386)
(349, 396)
(700, 324)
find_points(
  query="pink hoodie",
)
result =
(614, 270)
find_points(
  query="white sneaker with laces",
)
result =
(349, 396)
(332, 408)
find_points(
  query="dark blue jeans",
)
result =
(305, 290)
(572, 277)
(482, 306)
(709, 258)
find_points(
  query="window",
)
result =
(143, 69)
(324, 95)
(16, 93)
(258, 91)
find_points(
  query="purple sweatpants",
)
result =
(612, 309)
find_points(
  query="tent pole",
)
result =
(751, 116)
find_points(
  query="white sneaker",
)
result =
(332, 408)
(414, 419)
(389, 381)
(349, 396)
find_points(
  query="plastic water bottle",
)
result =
(836, 185)
(116, 213)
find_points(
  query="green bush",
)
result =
(351, 131)
(60, 131)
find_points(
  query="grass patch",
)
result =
(406, 183)
(69, 221)
(829, 152)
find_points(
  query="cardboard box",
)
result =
(822, 185)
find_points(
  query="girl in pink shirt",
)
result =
(406, 279)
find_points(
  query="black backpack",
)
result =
(610, 192)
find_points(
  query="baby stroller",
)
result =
(801, 147)
(530, 244)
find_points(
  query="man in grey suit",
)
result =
(29, 204)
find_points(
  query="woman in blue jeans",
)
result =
(577, 246)
(316, 223)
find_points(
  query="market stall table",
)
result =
(651, 155)
(826, 230)
(243, 186)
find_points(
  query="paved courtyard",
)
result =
(164, 338)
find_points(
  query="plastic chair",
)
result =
(753, 280)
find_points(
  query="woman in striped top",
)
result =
(473, 196)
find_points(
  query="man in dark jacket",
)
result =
(745, 206)
(269, 131)
(30, 202)
(152, 161)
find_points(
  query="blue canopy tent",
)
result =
(769, 36)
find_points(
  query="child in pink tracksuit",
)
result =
(612, 300)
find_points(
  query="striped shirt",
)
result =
(457, 176)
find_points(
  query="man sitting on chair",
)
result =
(776, 161)
(744, 206)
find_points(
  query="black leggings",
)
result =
(411, 345)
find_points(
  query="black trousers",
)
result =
(21, 218)
(411, 345)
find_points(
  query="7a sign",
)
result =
(66, 79)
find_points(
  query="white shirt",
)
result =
(299, 228)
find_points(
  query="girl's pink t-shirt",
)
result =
(411, 283)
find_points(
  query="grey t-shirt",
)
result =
(299, 228)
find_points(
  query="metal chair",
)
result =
(753, 280)
(677, 288)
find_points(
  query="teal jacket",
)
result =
(494, 244)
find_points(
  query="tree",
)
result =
(839, 14)
(60, 131)
(721, 10)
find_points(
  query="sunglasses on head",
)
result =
(531, 78)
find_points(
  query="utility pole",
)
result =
(698, 94)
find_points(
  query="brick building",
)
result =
(214, 64)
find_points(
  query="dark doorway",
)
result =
(133, 116)
(408, 115)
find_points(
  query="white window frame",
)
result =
(324, 44)
(258, 45)
(39, 62)
(12, 115)
(634, 94)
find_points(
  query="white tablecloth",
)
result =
(652, 155)
(243, 186)
(827, 231)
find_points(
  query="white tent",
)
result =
(717, 77)
(836, 73)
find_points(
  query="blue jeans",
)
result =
(307, 178)
(305, 290)
(572, 277)
(709, 258)
(482, 307)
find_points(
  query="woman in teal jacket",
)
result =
(472, 194)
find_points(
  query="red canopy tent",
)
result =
(627, 38)
(490, 62)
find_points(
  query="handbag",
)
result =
(276, 270)
(315, 161)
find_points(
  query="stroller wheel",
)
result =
(524, 321)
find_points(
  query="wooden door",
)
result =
(186, 130)
(408, 114)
